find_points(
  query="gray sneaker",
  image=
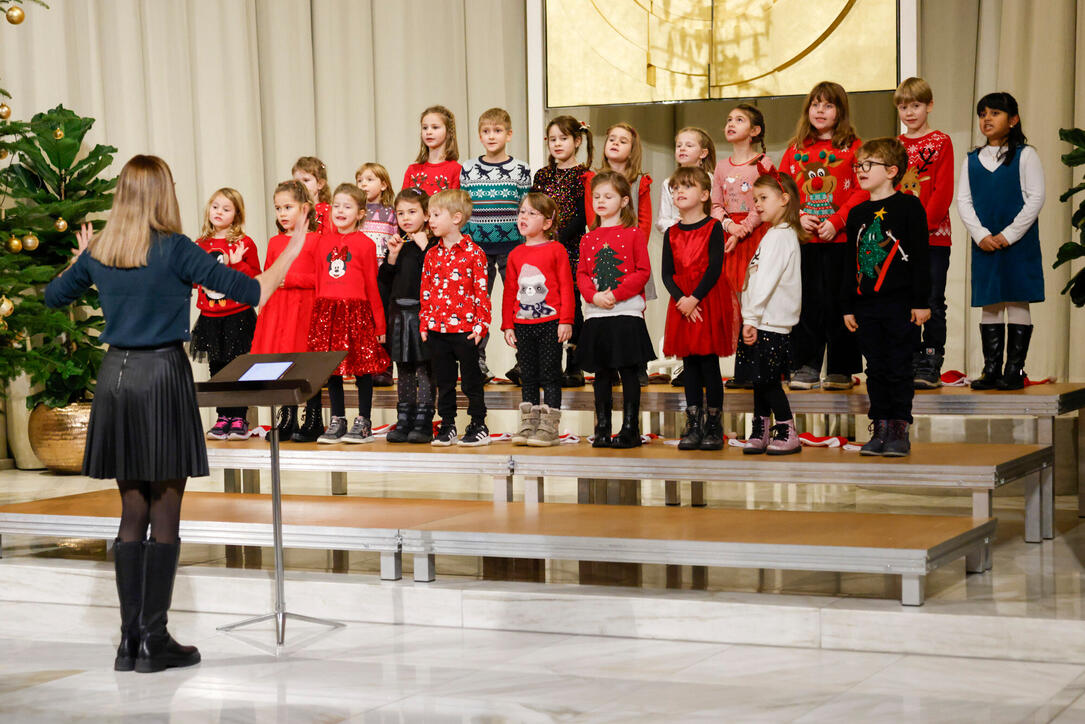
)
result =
(335, 431)
(839, 382)
(361, 431)
(805, 378)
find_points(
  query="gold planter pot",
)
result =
(59, 434)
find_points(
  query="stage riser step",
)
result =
(734, 618)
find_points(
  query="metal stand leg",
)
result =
(1033, 509)
(979, 560)
(391, 565)
(425, 570)
(231, 481)
(1045, 435)
(533, 490)
(671, 493)
(502, 490)
(339, 483)
(912, 589)
(280, 614)
(696, 494)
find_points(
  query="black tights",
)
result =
(415, 385)
(769, 399)
(702, 381)
(156, 503)
(365, 395)
(604, 380)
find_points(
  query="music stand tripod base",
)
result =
(312, 371)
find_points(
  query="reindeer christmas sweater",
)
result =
(538, 286)
(930, 179)
(828, 188)
(346, 268)
(433, 177)
(888, 240)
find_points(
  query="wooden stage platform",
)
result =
(910, 546)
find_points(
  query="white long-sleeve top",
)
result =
(772, 297)
(668, 212)
(1032, 189)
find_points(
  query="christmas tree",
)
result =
(47, 191)
(607, 274)
(871, 251)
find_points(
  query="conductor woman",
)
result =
(145, 430)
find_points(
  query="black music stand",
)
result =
(257, 379)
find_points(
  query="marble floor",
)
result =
(56, 667)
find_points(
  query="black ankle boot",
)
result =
(712, 438)
(1017, 340)
(288, 422)
(422, 430)
(629, 435)
(128, 564)
(405, 413)
(157, 649)
(574, 376)
(603, 404)
(993, 340)
(313, 427)
(691, 438)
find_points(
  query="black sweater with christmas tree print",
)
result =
(888, 241)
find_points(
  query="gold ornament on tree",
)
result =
(15, 15)
(14, 245)
(3, 153)
(30, 242)
(58, 134)
(6, 307)
(5, 111)
(60, 224)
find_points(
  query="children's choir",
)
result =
(840, 254)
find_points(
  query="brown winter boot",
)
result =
(546, 434)
(529, 420)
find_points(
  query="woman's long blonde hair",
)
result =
(236, 230)
(144, 203)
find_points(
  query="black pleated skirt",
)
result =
(614, 342)
(144, 422)
(404, 338)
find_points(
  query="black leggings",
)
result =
(769, 399)
(415, 384)
(365, 395)
(157, 504)
(604, 380)
(701, 374)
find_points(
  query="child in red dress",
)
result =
(347, 313)
(283, 323)
(437, 166)
(611, 276)
(224, 328)
(700, 312)
(312, 172)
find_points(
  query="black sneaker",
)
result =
(361, 431)
(335, 432)
(446, 435)
(476, 435)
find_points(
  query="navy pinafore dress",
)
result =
(1016, 273)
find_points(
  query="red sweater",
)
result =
(212, 303)
(828, 188)
(627, 251)
(433, 177)
(538, 286)
(454, 297)
(930, 178)
(323, 213)
(346, 268)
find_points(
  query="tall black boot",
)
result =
(288, 422)
(157, 649)
(128, 563)
(629, 435)
(993, 339)
(1017, 340)
(405, 413)
(313, 427)
(422, 431)
(574, 376)
(603, 403)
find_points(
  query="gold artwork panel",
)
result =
(602, 52)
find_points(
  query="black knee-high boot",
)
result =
(313, 426)
(993, 340)
(1017, 341)
(157, 649)
(128, 564)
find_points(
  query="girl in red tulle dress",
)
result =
(283, 323)
(347, 314)
(700, 314)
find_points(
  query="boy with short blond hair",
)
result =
(454, 316)
(887, 297)
(930, 179)
(496, 183)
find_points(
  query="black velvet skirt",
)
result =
(614, 342)
(404, 338)
(144, 422)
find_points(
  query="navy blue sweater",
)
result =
(149, 306)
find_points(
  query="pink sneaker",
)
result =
(759, 438)
(785, 439)
(221, 430)
(239, 429)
